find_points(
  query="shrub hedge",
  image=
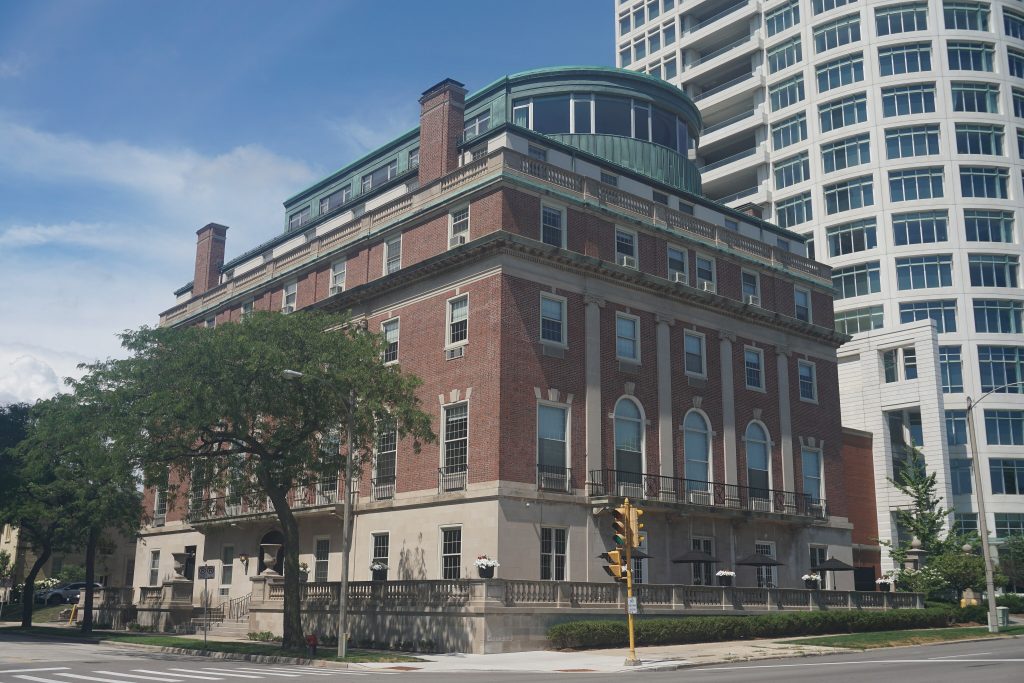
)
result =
(1014, 602)
(678, 630)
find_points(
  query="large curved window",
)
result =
(697, 451)
(757, 461)
(629, 441)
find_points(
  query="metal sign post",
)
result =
(206, 572)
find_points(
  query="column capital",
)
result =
(783, 351)
(665, 319)
(594, 299)
(726, 335)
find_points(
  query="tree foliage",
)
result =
(1011, 560)
(212, 407)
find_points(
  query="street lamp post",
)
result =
(993, 623)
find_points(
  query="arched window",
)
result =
(757, 461)
(629, 441)
(697, 451)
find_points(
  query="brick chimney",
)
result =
(209, 257)
(442, 114)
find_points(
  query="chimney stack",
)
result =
(442, 115)
(209, 257)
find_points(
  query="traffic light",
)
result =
(635, 526)
(621, 523)
(616, 567)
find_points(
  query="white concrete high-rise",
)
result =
(893, 132)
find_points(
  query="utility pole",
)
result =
(346, 540)
(993, 623)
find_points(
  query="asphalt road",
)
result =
(37, 661)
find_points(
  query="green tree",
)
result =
(925, 518)
(960, 570)
(212, 406)
(1011, 560)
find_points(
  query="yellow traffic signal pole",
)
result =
(632, 659)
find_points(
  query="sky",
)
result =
(126, 126)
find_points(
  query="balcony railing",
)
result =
(452, 478)
(718, 15)
(722, 50)
(738, 195)
(383, 487)
(729, 121)
(707, 494)
(723, 86)
(728, 160)
(554, 479)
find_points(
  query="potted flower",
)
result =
(811, 580)
(379, 569)
(303, 572)
(886, 583)
(485, 566)
(725, 577)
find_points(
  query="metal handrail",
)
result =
(452, 478)
(715, 17)
(738, 195)
(383, 487)
(728, 160)
(723, 86)
(729, 121)
(722, 50)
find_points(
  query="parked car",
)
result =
(61, 594)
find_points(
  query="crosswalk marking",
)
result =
(38, 679)
(161, 679)
(306, 670)
(227, 672)
(25, 671)
(182, 675)
(90, 678)
(269, 673)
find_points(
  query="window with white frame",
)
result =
(705, 267)
(912, 141)
(753, 368)
(458, 227)
(902, 59)
(554, 543)
(975, 97)
(456, 438)
(860, 319)
(993, 270)
(789, 131)
(552, 319)
(784, 55)
(247, 308)
(629, 441)
(811, 466)
(802, 304)
(840, 72)
(390, 329)
(857, 280)
(299, 218)
(627, 337)
(625, 248)
(836, 33)
(849, 194)
(966, 16)
(552, 226)
(782, 17)
(381, 555)
(767, 577)
(392, 254)
(792, 170)
(794, 210)
(552, 445)
(901, 18)
(750, 287)
(1000, 316)
(289, 296)
(379, 176)
(974, 138)
(451, 553)
(920, 227)
(694, 357)
(154, 568)
(703, 572)
(385, 461)
(970, 56)
(850, 238)
(321, 559)
(758, 451)
(984, 181)
(982, 225)
(924, 272)
(677, 264)
(697, 451)
(942, 311)
(915, 183)
(786, 93)
(808, 380)
(851, 151)
(904, 100)
(339, 270)
(846, 111)
(335, 199)
(458, 321)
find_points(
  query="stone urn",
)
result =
(179, 565)
(269, 551)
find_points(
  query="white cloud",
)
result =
(24, 377)
(85, 234)
(369, 129)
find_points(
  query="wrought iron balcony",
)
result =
(452, 478)
(707, 494)
(383, 487)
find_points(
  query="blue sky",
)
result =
(125, 126)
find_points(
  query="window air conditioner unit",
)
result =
(708, 286)
(761, 504)
(627, 261)
(698, 497)
(679, 276)
(336, 289)
(287, 309)
(752, 300)
(457, 352)
(456, 241)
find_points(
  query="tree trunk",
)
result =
(90, 577)
(293, 637)
(28, 593)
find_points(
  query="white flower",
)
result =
(377, 566)
(811, 577)
(725, 572)
(484, 562)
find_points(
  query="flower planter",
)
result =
(486, 572)
(811, 584)
(303, 576)
(725, 581)
(379, 574)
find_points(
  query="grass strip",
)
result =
(268, 649)
(867, 641)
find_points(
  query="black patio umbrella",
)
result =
(695, 556)
(759, 560)
(832, 565)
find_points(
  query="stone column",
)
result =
(592, 373)
(665, 427)
(785, 420)
(726, 340)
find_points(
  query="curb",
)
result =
(235, 656)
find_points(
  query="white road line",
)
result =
(91, 678)
(305, 670)
(163, 679)
(39, 679)
(227, 672)
(973, 654)
(182, 675)
(20, 671)
(860, 661)
(267, 672)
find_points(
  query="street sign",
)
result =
(206, 572)
(631, 606)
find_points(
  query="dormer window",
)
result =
(299, 218)
(379, 176)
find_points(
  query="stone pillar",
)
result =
(785, 421)
(665, 426)
(592, 373)
(726, 340)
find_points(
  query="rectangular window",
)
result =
(694, 356)
(1018, 103)
(227, 562)
(552, 450)
(992, 270)
(802, 304)
(1004, 427)
(943, 312)
(392, 254)
(854, 151)
(321, 559)
(705, 272)
(703, 572)
(677, 265)
(784, 55)
(901, 18)
(154, 568)
(820, 6)
(552, 320)
(552, 226)
(912, 141)
(289, 296)
(753, 366)
(379, 176)
(849, 194)
(767, 576)
(786, 93)
(299, 218)
(998, 316)
(859, 319)
(627, 338)
(553, 546)
(792, 130)
(965, 16)
(335, 199)
(840, 72)
(975, 97)
(1009, 524)
(811, 467)
(856, 280)
(965, 523)
(1015, 60)
(988, 226)
(808, 381)
(979, 139)
(794, 210)
(451, 553)
(1007, 476)
(1013, 24)
(956, 429)
(983, 181)
(904, 59)
(475, 126)
(782, 17)
(458, 321)
(338, 272)
(390, 330)
(414, 157)
(1002, 369)
(843, 112)
(625, 248)
(920, 227)
(836, 33)
(458, 227)
(969, 56)
(908, 99)
(385, 461)
(793, 170)
(924, 272)
(917, 183)
(381, 555)
(951, 370)
(456, 438)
